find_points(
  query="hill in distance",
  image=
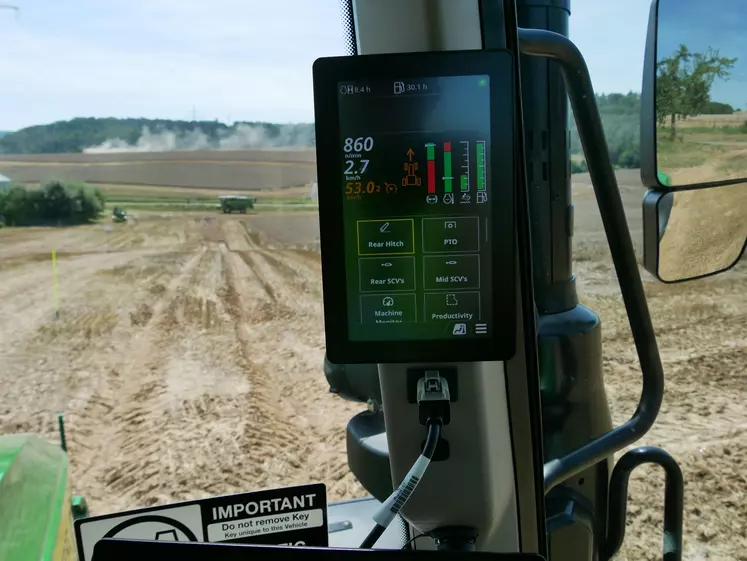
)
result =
(620, 117)
(152, 135)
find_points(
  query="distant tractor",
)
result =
(230, 203)
(119, 215)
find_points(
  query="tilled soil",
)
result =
(187, 359)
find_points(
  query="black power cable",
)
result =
(393, 505)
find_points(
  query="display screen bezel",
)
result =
(328, 73)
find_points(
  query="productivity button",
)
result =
(386, 237)
(388, 308)
(460, 307)
(451, 271)
(386, 274)
(451, 234)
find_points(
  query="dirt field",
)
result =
(719, 216)
(213, 169)
(188, 355)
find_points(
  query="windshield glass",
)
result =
(160, 278)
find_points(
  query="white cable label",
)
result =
(391, 507)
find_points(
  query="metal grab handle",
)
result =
(673, 501)
(552, 45)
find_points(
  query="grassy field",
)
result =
(155, 198)
(706, 148)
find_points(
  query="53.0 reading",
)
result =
(356, 188)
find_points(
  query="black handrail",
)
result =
(618, 500)
(543, 43)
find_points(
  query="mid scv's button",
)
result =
(441, 272)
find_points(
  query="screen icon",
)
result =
(481, 328)
(482, 197)
(460, 329)
(465, 198)
(384, 227)
(448, 198)
(399, 87)
(411, 178)
(450, 224)
(451, 300)
(431, 199)
(388, 301)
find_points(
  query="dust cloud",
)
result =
(238, 137)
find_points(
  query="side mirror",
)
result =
(694, 96)
(695, 233)
(694, 138)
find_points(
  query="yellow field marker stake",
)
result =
(55, 287)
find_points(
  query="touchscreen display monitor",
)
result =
(416, 192)
(416, 157)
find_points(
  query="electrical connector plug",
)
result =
(434, 400)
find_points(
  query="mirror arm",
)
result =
(535, 42)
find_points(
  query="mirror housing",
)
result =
(649, 171)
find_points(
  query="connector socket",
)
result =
(434, 399)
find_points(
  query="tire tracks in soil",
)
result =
(299, 391)
(124, 402)
(270, 432)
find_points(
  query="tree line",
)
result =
(621, 119)
(57, 203)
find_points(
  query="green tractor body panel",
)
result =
(231, 203)
(35, 501)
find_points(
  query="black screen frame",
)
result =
(499, 66)
(128, 550)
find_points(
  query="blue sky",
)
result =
(229, 59)
(696, 24)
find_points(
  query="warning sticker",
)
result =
(263, 525)
(289, 516)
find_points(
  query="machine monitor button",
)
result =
(388, 308)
